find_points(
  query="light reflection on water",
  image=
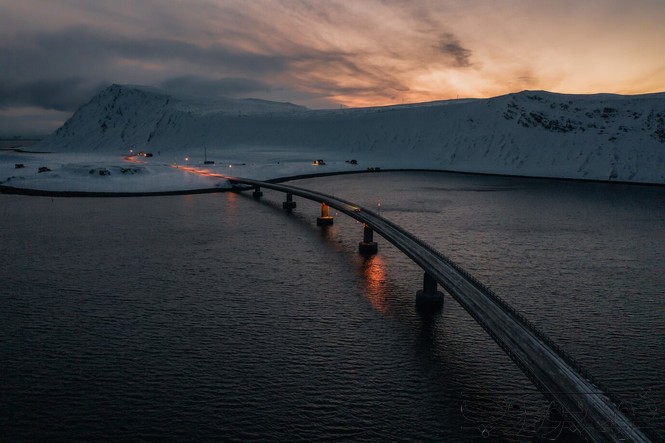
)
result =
(219, 317)
(375, 282)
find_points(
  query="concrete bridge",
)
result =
(550, 369)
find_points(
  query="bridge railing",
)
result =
(516, 314)
(498, 300)
(613, 397)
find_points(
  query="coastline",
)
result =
(12, 190)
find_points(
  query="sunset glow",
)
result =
(54, 55)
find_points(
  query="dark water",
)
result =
(216, 317)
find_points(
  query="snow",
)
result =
(531, 133)
(80, 172)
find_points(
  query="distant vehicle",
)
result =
(19, 166)
(209, 162)
(43, 169)
(318, 162)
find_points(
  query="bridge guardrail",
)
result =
(519, 317)
(515, 313)
(613, 397)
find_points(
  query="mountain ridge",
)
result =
(530, 133)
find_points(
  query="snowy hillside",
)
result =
(603, 137)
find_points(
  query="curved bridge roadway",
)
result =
(550, 369)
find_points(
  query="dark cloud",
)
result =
(65, 94)
(225, 87)
(450, 46)
(37, 124)
(87, 50)
(213, 55)
(329, 73)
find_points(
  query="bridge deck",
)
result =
(548, 368)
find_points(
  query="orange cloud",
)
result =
(338, 52)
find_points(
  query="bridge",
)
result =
(548, 367)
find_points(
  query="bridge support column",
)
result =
(257, 194)
(368, 246)
(325, 219)
(289, 204)
(429, 297)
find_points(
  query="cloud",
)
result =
(83, 47)
(225, 87)
(53, 54)
(65, 94)
(450, 46)
(332, 49)
(30, 121)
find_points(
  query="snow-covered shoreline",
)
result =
(78, 175)
(598, 137)
(83, 173)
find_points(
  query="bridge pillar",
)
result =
(368, 246)
(429, 297)
(257, 194)
(289, 204)
(325, 219)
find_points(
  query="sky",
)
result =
(56, 54)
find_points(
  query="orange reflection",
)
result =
(231, 202)
(200, 171)
(132, 159)
(375, 282)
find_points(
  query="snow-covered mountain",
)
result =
(532, 133)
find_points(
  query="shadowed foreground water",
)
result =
(219, 317)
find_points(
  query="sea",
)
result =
(219, 317)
